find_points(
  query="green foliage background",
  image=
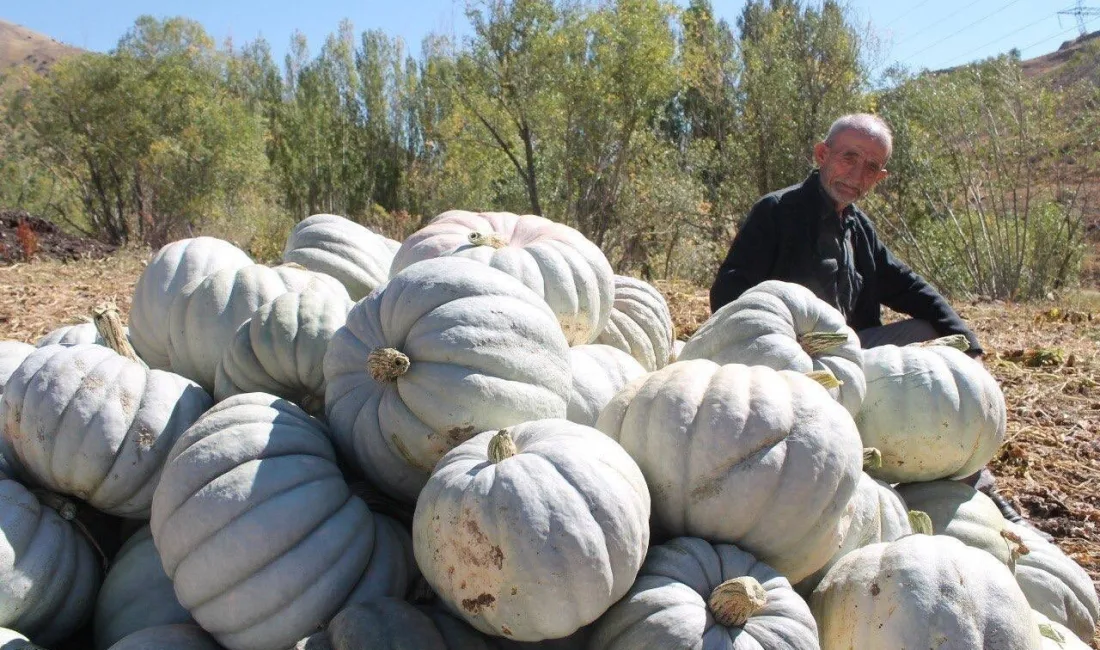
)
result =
(649, 128)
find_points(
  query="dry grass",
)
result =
(1046, 357)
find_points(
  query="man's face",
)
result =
(851, 166)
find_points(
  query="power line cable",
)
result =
(906, 13)
(1056, 35)
(1000, 38)
(961, 30)
(938, 22)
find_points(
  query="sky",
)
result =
(930, 34)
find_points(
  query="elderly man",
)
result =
(813, 234)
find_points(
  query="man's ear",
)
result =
(821, 150)
(882, 176)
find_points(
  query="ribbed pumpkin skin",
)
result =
(255, 525)
(49, 573)
(734, 454)
(12, 353)
(958, 510)
(922, 592)
(667, 606)
(599, 372)
(88, 422)
(557, 262)
(392, 624)
(168, 637)
(356, 256)
(1057, 636)
(204, 316)
(136, 594)
(1055, 585)
(933, 412)
(876, 513)
(281, 349)
(541, 543)
(392, 567)
(640, 323)
(172, 268)
(485, 352)
(71, 335)
(763, 327)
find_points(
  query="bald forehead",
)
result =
(866, 131)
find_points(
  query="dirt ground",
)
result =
(1045, 355)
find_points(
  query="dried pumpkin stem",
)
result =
(872, 458)
(386, 364)
(920, 522)
(502, 447)
(957, 341)
(818, 343)
(735, 601)
(108, 322)
(825, 378)
(487, 239)
(1016, 545)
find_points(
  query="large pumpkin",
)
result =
(49, 573)
(599, 372)
(205, 315)
(256, 526)
(691, 594)
(71, 335)
(392, 624)
(172, 268)
(640, 323)
(784, 326)
(356, 256)
(136, 594)
(932, 411)
(88, 422)
(179, 636)
(12, 640)
(743, 455)
(12, 354)
(532, 532)
(922, 592)
(1054, 584)
(958, 510)
(876, 513)
(556, 261)
(281, 349)
(446, 349)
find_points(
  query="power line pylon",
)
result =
(1079, 12)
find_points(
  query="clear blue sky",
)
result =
(919, 33)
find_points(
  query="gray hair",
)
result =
(870, 125)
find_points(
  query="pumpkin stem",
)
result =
(825, 378)
(735, 601)
(957, 341)
(386, 364)
(502, 447)
(872, 458)
(817, 343)
(1047, 630)
(108, 323)
(1016, 546)
(920, 522)
(487, 239)
(68, 510)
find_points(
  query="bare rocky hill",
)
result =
(22, 47)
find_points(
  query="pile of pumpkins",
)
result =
(481, 437)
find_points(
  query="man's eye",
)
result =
(850, 157)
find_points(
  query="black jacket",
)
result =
(795, 235)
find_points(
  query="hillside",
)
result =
(20, 46)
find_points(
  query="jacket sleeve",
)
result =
(902, 290)
(750, 258)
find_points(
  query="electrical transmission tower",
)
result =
(1079, 12)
